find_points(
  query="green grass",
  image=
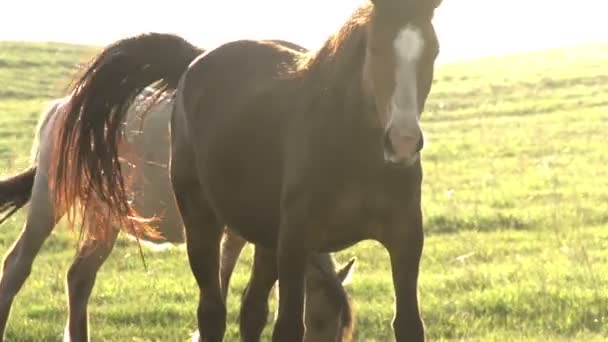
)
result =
(515, 204)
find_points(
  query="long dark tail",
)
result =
(15, 192)
(85, 166)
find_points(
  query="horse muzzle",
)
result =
(402, 149)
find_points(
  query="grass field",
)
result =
(515, 204)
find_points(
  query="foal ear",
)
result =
(345, 273)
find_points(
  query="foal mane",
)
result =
(337, 295)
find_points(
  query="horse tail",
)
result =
(85, 165)
(15, 192)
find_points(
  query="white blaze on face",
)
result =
(403, 123)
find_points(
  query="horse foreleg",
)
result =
(80, 281)
(404, 243)
(292, 260)
(17, 264)
(254, 305)
(232, 245)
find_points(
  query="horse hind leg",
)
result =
(232, 245)
(231, 248)
(80, 281)
(17, 266)
(254, 304)
(203, 236)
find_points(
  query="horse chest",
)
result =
(355, 213)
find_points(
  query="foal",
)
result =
(298, 153)
(148, 142)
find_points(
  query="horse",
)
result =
(145, 156)
(298, 153)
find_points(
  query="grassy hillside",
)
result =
(515, 203)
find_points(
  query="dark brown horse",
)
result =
(298, 153)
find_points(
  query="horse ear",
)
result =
(345, 273)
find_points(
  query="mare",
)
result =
(328, 315)
(297, 152)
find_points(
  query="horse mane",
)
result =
(330, 80)
(343, 51)
(346, 46)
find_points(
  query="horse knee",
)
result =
(17, 264)
(79, 278)
(16, 268)
(83, 271)
(14, 273)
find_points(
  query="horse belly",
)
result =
(342, 231)
(249, 205)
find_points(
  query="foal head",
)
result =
(398, 71)
(328, 314)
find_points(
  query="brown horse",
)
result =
(298, 153)
(328, 315)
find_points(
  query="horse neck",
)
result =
(337, 99)
(335, 73)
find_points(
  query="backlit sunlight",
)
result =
(467, 28)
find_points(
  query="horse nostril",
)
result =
(420, 144)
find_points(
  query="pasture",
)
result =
(515, 205)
